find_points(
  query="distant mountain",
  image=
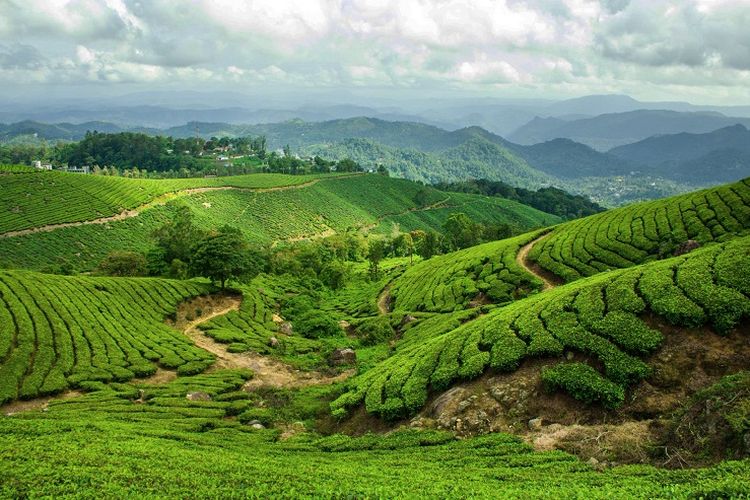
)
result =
(476, 158)
(719, 156)
(616, 129)
(569, 159)
(56, 132)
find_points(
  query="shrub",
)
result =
(583, 383)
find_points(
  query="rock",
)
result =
(446, 400)
(273, 342)
(345, 356)
(257, 426)
(286, 328)
(253, 422)
(407, 319)
(198, 396)
(569, 355)
(535, 424)
(685, 247)
(593, 462)
(463, 405)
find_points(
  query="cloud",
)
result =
(588, 46)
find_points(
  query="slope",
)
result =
(59, 332)
(638, 233)
(719, 156)
(334, 204)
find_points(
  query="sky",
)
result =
(692, 50)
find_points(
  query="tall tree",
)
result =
(221, 256)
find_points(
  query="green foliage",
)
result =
(550, 199)
(640, 233)
(221, 256)
(597, 317)
(374, 330)
(583, 383)
(452, 281)
(59, 332)
(120, 263)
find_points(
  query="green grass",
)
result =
(635, 234)
(120, 442)
(599, 317)
(58, 332)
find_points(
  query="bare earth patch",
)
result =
(14, 407)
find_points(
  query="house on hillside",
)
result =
(42, 166)
(79, 170)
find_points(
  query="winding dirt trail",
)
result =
(159, 200)
(384, 300)
(522, 259)
(268, 372)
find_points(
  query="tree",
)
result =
(375, 254)
(221, 256)
(429, 245)
(120, 263)
(461, 231)
(176, 237)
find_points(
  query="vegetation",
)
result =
(61, 332)
(551, 200)
(43, 198)
(598, 318)
(331, 205)
(487, 272)
(632, 235)
(157, 440)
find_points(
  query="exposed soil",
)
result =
(689, 360)
(14, 407)
(384, 300)
(268, 372)
(161, 376)
(549, 279)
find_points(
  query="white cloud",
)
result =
(586, 45)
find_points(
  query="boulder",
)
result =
(286, 328)
(346, 356)
(198, 396)
(535, 424)
(687, 246)
(273, 342)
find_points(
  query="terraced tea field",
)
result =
(448, 282)
(32, 200)
(635, 234)
(58, 332)
(599, 317)
(264, 215)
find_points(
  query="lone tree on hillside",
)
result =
(221, 256)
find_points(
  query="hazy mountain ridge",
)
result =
(608, 131)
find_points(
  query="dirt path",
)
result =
(159, 200)
(14, 407)
(268, 371)
(384, 300)
(550, 281)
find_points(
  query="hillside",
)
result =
(636, 234)
(610, 130)
(68, 231)
(722, 154)
(478, 341)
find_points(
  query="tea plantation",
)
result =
(29, 200)
(335, 204)
(635, 234)
(361, 340)
(126, 440)
(58, 332)
(599, 317)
